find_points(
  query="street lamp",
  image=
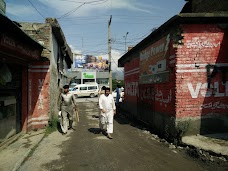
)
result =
(125, 41)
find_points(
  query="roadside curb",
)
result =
(210, 145)
(30, 151)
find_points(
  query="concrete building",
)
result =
(2, 7)
(17, 52)
(176, 79)
(46, 78)
(81, 77)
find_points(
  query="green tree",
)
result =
(116, 82)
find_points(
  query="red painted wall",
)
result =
(203, 45)
(38, 95)
(24, 98)
(131, 80)
(157, 91)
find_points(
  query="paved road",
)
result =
(87, 99)
(132, 149)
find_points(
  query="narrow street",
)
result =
(83, 149)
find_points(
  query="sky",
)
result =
(85, 22)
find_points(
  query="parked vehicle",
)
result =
(83, 90)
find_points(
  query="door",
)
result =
(83, 91)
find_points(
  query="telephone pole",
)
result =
(109, 54)
(125, 37)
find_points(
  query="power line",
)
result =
(71, 12)
(84, 2)
(75, 9)
(36, 9)
(118, 16)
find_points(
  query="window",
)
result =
(74, 89)
(92, 87)
(83, 88)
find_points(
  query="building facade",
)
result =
(176, 78)
(17, 52)
(89, 68)
(47, 78)
(82, 77)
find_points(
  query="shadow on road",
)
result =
(122, 118)
(95, 116)
(94, 130)
(59, 127)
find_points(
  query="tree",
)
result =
(115, 82)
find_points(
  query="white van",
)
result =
(82, 90)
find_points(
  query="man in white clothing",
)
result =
(108, 110)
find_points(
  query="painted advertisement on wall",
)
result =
(153, 62)
(90, 62)
(38, 95)
(131, 79)
(202, 77)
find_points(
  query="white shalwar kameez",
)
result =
(107, 103)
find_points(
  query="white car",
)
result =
(82, 90)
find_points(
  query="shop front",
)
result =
(88, 77)
(17, 50)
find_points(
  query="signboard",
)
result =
(153, 62)
(2, 7)
(90, 62)
(18, 47)
(88, 75)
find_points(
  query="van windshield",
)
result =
(75, 88)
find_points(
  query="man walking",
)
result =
(108, 109)
(67, 107)
(101, 125)
(118, 94)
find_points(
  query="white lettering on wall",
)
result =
(132, 89)
(199, 44)
(202, 88)
(215, 105)
(157, 95)
(194, 93)
(155, 49)
(41, 97)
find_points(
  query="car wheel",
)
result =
(76, 96)
(92, 95)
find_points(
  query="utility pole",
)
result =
(125, 41)
(109, 54)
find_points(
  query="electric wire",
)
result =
(75, 9)
(36, 9)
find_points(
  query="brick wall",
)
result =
(202, 77)
(203, 45)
